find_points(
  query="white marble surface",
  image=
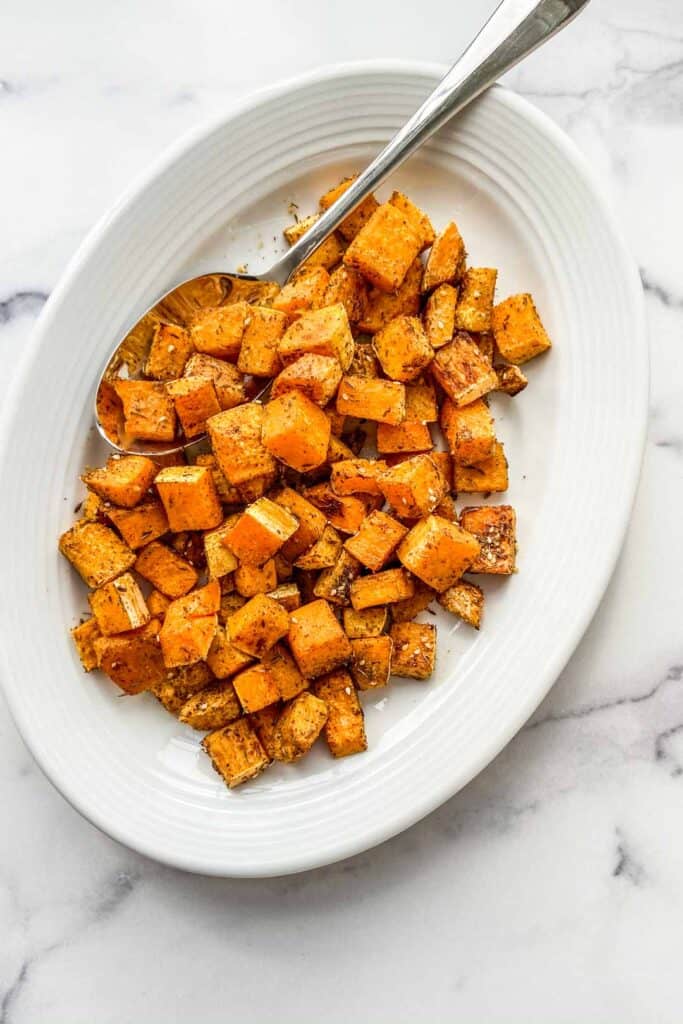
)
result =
(551, 889)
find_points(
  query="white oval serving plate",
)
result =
(526, 203)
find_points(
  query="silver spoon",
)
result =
(515, 29)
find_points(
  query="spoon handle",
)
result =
(515, 29)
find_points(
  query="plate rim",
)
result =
(554, 665)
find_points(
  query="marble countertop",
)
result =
(550, 890)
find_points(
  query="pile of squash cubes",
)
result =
(257, 591)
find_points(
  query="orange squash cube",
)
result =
(189, 497)
(213, 707)
(344, 728)
(403, 348)
(468, 431)
(220, 560)
(439, 315)
(349, 287)
(371, 661)
(438, 552)
(316, 377)
(414, 487)
(494, 526)
(344, 512)
(487, 477)
(382, 307)
(364, 363)
(226, 379)
(263, 329)
(323, 553)
(158, 604)
(95, 552)
(446, 260)
(384, 248)
(124, 480)
(235, 437)
(410, 607)
(298, 727)
(356, 476)
(252, 579)
(170, 349)
(305, 291)
(260, 531)
(316, 639)
(263, 723)
(256, 688)
(284, 672)
(376, 541)
(421, 404)
(189, 626)
(140, 525)
(257, 625)
(419, 221)
(119, 606)
(286, 594)
(381, 400)
(462, 371)
(323, 332)
(381, 588)
(352, 224)
(511, 380)
(334, 583)
(236, 753)
(224, 659)
(406, 437)
(473, 312)
(148, 411)
(368, 622)
(414, 650)
(310, 519)
(296, 431)
(518, 330)
(195, 400)
(84, 636)
(132, 660)
(218, 332)
(228, 494)
(466, 600)
(327, 254)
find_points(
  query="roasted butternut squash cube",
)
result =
(376, 540)
(382, 307)
(195, 400)
(316, 639)
(438, 552)
(132, 660)
(211, 708)
(327, 254)
(236, 752)
(230, 602)
(443, 463)
(337, 450)
(323, 332)
(263, 329)
(84, 636)
(95, 552)
(371, 661)
(381, 588)
(345, 726)
(256, 688)
(119, 606)
(260, 531)
(462, 371)
(92, 507)
(518, 330)
(356, 476)
(235, 437)
(296, 431)
(466, 600)
(189, 497)
(414, 487)
(305, 291)
(284, 672)
(446, 509)
(220, 560)
(368, 622)
(486, 345)
(148, 411)
(227, 380)
(352, 224)
(421, 406)
(487, 477)
(218, 332)
(298, 727)
(252, 490)
(124, 480)
(166, 570)
(255, 579)
(334, 583)
(349, 287)
(384, 248)
(257, 625)
(316, 377)
(439, 315)
(495, 527)
(410, 608)
(323, 553)
(406, 437)
(191, 678)
(469, 431)
(364, 364)
(228, 494)
(414, 650)
(170, 349)
(310, 519)
(224, 659)
(189, 627)
(344, 512)
(263, 723)
(158, 604)
(473, 312)
(381, 400)
(140, 525)
(419, 221)
(403, 348)
(286, 594)
(511, 380)
(446, 260)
